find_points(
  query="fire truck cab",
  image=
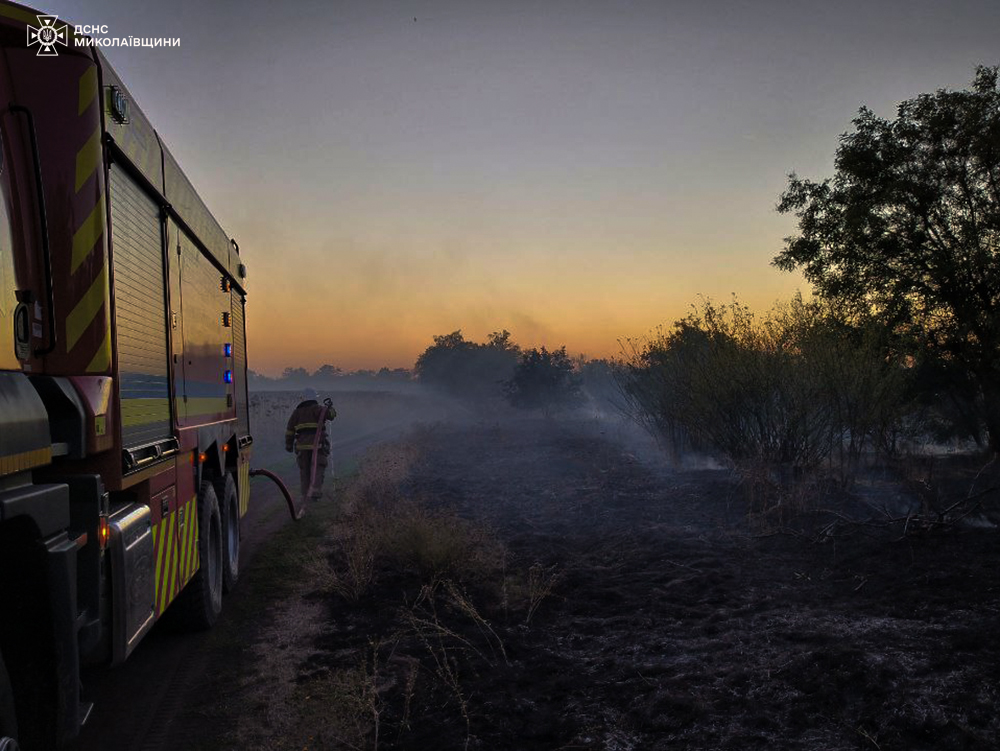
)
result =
(124, 429)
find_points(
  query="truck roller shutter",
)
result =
(140, 313)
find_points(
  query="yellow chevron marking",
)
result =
(87, 236)
(87, 159)
(193, 560)
(168, 566)
(192, 526)
(86, 310)
(182, 534)
(88, 89)
(156, 567)
(162, 576)
(102, 360)
(197, 537)
(159, 560)
(175, 575)
(182, 542)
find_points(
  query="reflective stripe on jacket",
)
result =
(300, 433)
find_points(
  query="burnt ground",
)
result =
(632, 606)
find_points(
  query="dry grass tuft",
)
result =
(386, 530)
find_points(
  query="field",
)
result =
(521, 583)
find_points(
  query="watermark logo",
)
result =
(47, 35)
(50, 33)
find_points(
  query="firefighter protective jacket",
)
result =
(300, 434)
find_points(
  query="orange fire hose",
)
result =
(296, 513)
(317, 444)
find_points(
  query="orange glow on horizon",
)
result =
(357, 326)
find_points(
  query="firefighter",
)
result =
(300, 436)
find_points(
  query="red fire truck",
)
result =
(124, 429)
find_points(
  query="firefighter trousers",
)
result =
(305, 472)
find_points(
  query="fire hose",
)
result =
(295, 512)
(318, 443)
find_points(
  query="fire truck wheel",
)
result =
(201, 600)
(8, 719)
(229, 504)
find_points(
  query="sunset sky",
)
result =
(575, 172)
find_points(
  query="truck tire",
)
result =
(201, 601)
(8, 717)
(229, 505)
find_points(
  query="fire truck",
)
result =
(124, 428)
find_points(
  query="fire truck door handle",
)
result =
(43, 220)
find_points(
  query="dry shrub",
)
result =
(801, 387)
(437, 543)
(439, 619)
(774, 499)
(541, 582)
(367, 503)
(338, 706)
(380, 474)
(387, 529)
(344, 706)
(527, 590)
(356, 554)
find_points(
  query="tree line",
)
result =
(328, 377)
(491, 372)
(498, 369)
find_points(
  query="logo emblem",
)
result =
(47, 35)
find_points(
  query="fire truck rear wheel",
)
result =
(201, 600)
(8, 718)
(229, 504)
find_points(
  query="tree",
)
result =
(544, 379)
(327, 372)
(908, 228)
(294, 376)
(394, 374)
(468, 369)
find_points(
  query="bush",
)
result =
(544, 380)
(468, 369)
(790, 389)
(390, 530)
